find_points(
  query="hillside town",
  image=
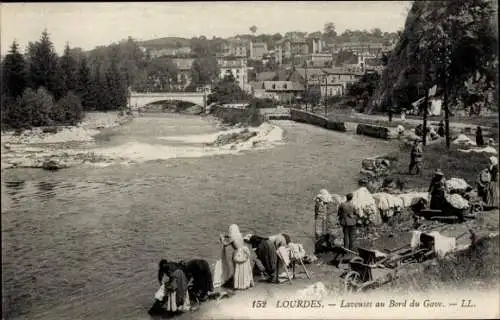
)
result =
(296, 63)
(207, 173)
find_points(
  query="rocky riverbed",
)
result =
(59, 147)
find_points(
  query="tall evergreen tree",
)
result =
(99, 90)
(116, 84)
(69, 70)
(14, 79)
(84, 86)
(44, 68)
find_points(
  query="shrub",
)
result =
(68, 110)
(37, 109)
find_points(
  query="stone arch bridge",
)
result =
(138, 100)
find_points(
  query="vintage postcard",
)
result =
(250, 160)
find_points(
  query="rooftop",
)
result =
(183, 63)
(266, 76)
(282, 86)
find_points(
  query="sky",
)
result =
(87, 25)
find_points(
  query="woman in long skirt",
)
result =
(322, 201)
(492, 193)
(243, 275)
(177, 291)
(199, 271)
(173, 290)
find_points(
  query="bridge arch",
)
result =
(139, 100)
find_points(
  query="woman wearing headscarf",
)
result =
(199, 271)
(492, 191)
(321, 214)
(437, 190)
(242, 276)
(174, 288)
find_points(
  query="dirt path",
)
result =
(411, 121)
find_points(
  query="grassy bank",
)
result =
(452, 162)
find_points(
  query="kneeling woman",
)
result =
(241, 264)
(199, 271)
(266, 250)
(173, 290)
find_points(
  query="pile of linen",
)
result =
(366, 209)
(387, 204)
(457, 185)
(457, 201)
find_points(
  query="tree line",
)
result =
(40, 88)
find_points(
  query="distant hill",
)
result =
(166, 42)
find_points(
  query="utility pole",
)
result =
(307, 88)
(426, 109)
(445, 90)
(326, 91)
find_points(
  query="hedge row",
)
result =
(232, 116)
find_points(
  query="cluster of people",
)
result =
(180, 283)
(487, 187)
(242, 259)
(325, 221)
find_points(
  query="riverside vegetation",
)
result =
(42, 89)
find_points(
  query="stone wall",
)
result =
(373, 131)
(316, 120)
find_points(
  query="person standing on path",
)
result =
(437, 190)
(441, 129)
(479, 137)
(416, 156)
(347, 220)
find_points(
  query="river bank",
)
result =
(473, 264)
(57, 147)
(63, 147)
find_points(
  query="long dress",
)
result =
(492, 194)
(320, 218)
(177, 292)
(266, 252)
(199, 271)
(227, 265)
(243, 273)
(240, 263)
(437, 190)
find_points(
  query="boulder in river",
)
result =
(234, 137)
(53, 165)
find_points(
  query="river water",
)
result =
(84, 243)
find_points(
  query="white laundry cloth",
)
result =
(415, 239)
(284, 254)
(442, 244)
(160, 294)
(379, 254)
(297, 251)
(217, 280)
